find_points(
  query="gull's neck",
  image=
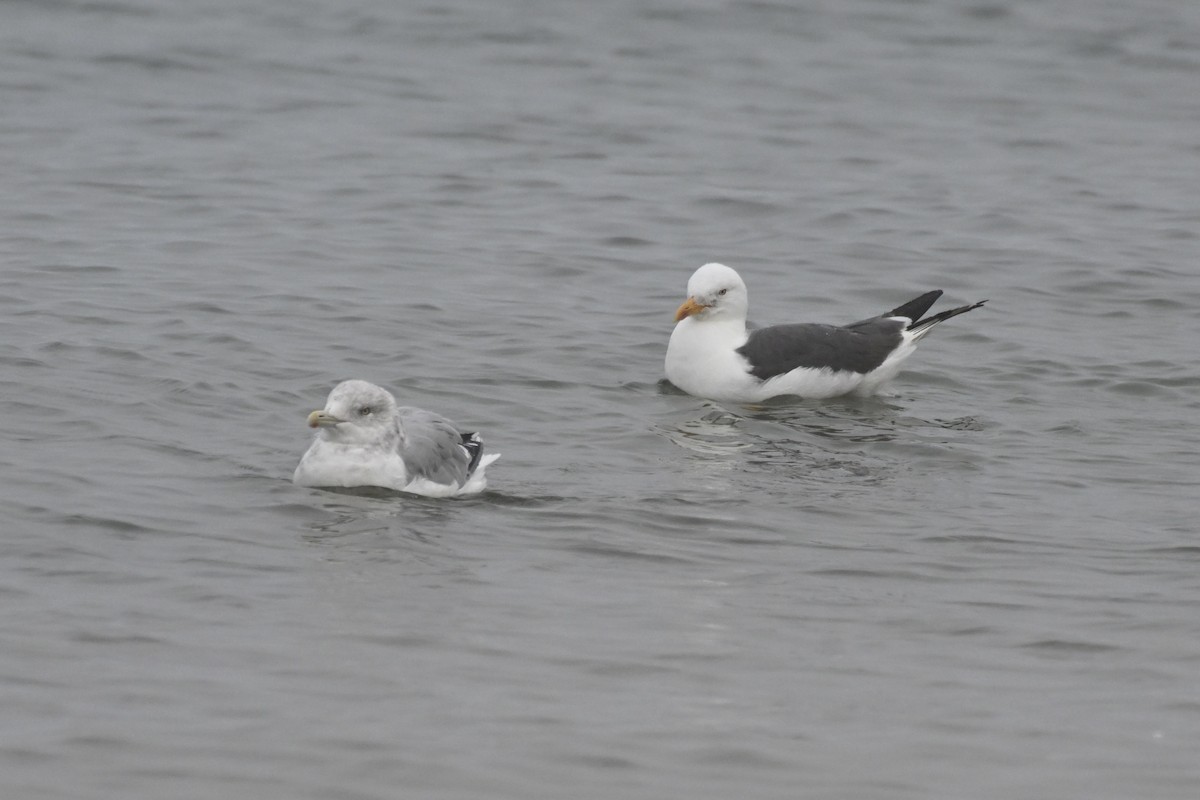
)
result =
(722, 323)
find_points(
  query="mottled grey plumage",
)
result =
(365, 439)
(432, 447)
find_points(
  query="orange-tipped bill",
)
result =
(689, 307)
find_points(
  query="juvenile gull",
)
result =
(365, 439)
(712, 355)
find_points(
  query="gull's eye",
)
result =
(365, 411)
(723, 291)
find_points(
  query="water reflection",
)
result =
(714, 433)
(843, 443)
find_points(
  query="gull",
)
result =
(364, 439)
(712, 355)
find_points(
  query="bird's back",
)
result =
(431, 447)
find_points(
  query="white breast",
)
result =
(702, 360)
(330, 464)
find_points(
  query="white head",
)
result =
(715, 292)
(356, 412)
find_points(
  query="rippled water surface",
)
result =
(985, 584)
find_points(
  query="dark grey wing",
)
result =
(860, 347)
(432, 447)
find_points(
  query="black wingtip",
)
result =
(913, 309)
(474, 447)
(929, 322)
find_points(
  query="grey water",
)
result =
(983, 584)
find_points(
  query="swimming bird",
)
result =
(712, 355)
(365, 439)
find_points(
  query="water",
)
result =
(983, 585)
